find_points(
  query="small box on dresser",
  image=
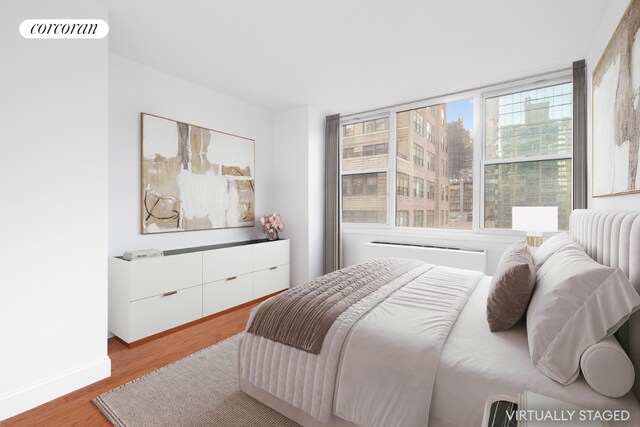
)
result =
(152, 295)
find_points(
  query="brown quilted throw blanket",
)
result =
(302, 316)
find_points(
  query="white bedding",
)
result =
(412, 325)
(476, 363)
(304, 380)
(390, 357)
(473, 365)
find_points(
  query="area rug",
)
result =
(199, 390)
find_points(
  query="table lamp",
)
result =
(534, 220)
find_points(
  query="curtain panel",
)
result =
(332, 240)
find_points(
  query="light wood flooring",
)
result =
(76, 409)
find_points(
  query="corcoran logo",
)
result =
(64, 29)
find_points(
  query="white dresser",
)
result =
(152, 295)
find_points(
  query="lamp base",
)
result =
(534, 241)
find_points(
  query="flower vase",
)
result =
(272, 234)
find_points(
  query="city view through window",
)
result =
(435, 152)
(527, 161)
(518, 126)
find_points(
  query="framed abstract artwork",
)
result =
(194, 178)
(616, 110)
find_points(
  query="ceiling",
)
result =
(349, 55)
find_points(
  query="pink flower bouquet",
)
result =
(273, 222)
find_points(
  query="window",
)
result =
(361, 216)
(434, 178)
(439, 161)
(418, 155)
(430, 161)
(403, 184)
(360, 184)
(365, 150)
(402, 218)
(349, 130)
(418, 122)
(418, 218)
(431, 190)
(418, 187)
(364, 172)
(375, 125)
(348, 152)
(431, 218)
(375, 149)
(535, 123)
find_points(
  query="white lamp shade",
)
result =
(534, 218)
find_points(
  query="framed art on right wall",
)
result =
(616, 110)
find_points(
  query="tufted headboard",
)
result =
(613, 238)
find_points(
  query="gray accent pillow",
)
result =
(511, 288)
(577, 302)
(549, 247)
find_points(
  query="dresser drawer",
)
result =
(159, 313)
(224, 294)
(227, 262)
(155, 276)
(270, 254)
(271, 280)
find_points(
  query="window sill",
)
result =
(494, 236)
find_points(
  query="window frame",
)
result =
(478, 95)
(499, 91)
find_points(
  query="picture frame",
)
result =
(194, 178)
(616, 111)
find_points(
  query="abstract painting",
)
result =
(616, 110)
(194, 178)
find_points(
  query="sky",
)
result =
(461, 109)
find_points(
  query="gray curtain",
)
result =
(331, 194)
(579, 135)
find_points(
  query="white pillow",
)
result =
(576, 303)
(607, 368)
(549, 247)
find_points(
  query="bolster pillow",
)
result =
(607, 368)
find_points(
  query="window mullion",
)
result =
(478, 157)
(391, 168)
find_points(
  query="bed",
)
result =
(374, 370)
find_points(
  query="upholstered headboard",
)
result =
(613, 238)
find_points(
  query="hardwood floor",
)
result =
(76, 409)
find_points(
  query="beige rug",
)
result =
(199, 390)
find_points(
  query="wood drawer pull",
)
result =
(228, 279)
(273, 268)
(166, 294)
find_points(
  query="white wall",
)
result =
(135, 88)
(53, 175)
(290, 178)
(299, 181)
(316, 192)
(602, 35)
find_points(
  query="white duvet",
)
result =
(390, 349)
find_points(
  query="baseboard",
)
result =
(27, 397)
